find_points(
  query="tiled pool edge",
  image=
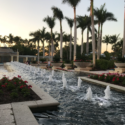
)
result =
(21, 110)
(112, 86)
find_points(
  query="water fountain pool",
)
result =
(101, 108)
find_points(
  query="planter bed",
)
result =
(16, 90)
(112, 78)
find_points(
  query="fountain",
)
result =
(107, 92)
(64, 83)
(52, 72)
(50, 78)
(63, 76)
(79, 82)
(89, 94)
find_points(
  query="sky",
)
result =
(20, 17)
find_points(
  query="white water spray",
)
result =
(79, 82)
(107, 92)
(89, 94)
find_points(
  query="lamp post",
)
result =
(123, 48)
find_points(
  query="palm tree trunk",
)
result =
(43, 50)
(70, 44)
(87, 43)
(52, 46)
(107, 47)
(74, 33)
(93, 32)
(98, 44)
(38, 52)
(82, 43)
(61, 40)
(49, 48)
(123, 47)
(101, 40)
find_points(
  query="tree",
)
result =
(11, 38)
(36, 37)
(51, 23)
(107, 40)
(42, 35)
(106, 16)
(59, 15)
(73, 3)
(70, 23)
(82, 24)
(17, 39)
(93, 31)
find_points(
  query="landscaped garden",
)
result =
(15, 90)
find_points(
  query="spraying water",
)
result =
(89, 94)
(107, 92)
(63, 76)
(79, 82)
(52, 72)
(64, 83)
(50, 78)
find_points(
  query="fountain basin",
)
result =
(68, 66)
(56, 65)
(120, 65)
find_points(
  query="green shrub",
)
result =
(34, 62)
(95, 77)
(123, 83)
(67, 61)
(1, 92)
(14, 95)
(56, 58)
(43, 60)
(103, 64)
(10, 86)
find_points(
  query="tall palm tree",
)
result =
(70, 23)
(4, 40)
(82, 24)
(59, 15)
(42, 34)
(48, 40)
(98, 15)
(17, 40)
(51, 23)
(106, 16)
(36, 37)
(73, 3)
(93, 31)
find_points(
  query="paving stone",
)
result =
(22, 113)
(28, 123)
(5, 106)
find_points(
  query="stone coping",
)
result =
(112, 86)
(21, 110)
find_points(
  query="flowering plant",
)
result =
(82, 60)
(114, 78)
(15, 86)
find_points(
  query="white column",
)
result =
(26, 58)
(11, 58)
(34, 58)
(17, 56)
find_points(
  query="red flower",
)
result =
(21, 86)
(29, 86)
(19, 76)
(15, 83)
(5, 83)
(25, 81)
(117, 79)
(3, 86)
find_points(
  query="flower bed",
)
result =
(82, 60)
(114, 78)
(15, 90)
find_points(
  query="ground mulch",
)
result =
(6, 98)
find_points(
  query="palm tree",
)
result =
(36, 37)
(73, 3)
(42, 34)
(70, 23)
(59, 15)
(51, 23)
(17, 40)
(106, 16)
(11, 38)
(107, 40)
(48, 40)
(82, 23)
(98, 16)
(93, 31)
(4, 39)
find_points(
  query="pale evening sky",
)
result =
(20, 17)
